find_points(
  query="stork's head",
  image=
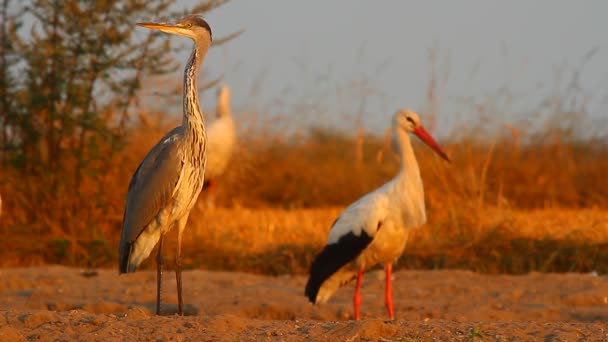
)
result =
(193, 26)
(223, 92)
(408, 121)
(223, 101)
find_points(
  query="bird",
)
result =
(374, 229)
(166, 184)
(221, 141)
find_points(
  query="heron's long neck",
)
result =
(409, 181)
(193, 121)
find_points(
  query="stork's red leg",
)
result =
(388, 291)
(357, 297)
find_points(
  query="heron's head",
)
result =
(408, 121)
(193, 26)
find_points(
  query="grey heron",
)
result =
(165, 186)
(374, 229)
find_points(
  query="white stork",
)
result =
(221, 140)
(374, 229)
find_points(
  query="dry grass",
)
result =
(541, 203)
(252, 231)
(278, 241)
(323, 169)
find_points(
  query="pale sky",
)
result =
(299, 52)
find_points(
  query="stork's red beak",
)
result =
(428, 139)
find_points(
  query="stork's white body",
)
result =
(397, 205)
(221, 137)
(375, 228)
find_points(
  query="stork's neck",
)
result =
(223, 104)
(193, 121)
(408, 182)
(409, 165)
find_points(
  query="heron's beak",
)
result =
(428, 139)
(168, 28)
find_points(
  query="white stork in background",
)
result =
(374, 229)
(221, 141)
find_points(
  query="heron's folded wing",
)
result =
(152, 185)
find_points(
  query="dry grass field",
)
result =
(501, 206)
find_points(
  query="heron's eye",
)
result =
(188, 25)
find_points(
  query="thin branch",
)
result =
(223, 40)
(208, 6)
(212, 83)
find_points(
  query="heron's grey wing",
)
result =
(152, 185)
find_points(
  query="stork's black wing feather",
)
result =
(333, 257)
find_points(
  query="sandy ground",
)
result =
(64, 304)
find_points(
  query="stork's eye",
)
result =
(410, 120)
(188, 25)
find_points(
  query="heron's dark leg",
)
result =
(178, 265)
(357, 297)
(178, 275)
(159, 272)
(388, 291)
